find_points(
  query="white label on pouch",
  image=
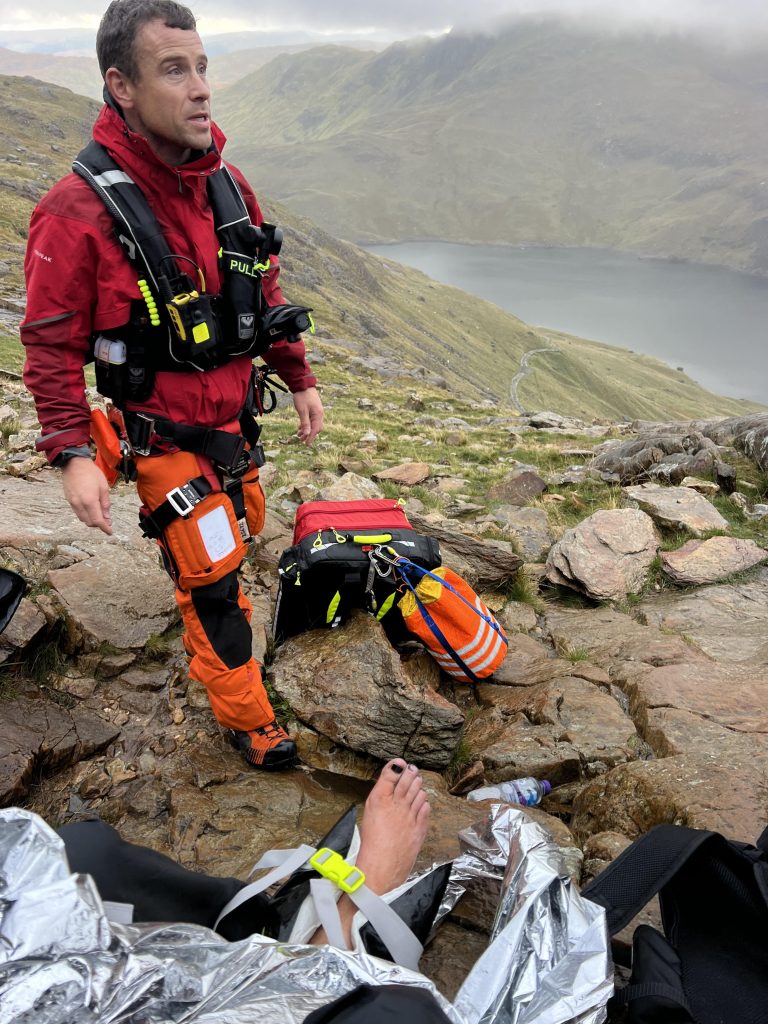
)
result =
(216, 534)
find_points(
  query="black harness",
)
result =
(177, 325)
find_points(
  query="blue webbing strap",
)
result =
(436, 631)
(404, 562)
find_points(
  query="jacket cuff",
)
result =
(304, 384)
(52, 445)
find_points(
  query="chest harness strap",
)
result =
(176, 324)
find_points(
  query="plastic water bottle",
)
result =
(527, 792)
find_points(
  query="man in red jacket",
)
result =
(197, 475)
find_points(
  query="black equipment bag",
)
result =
(383, 1004)
(711, 964)
(327, 574)
(12, 589)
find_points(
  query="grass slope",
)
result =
(44, 126)
(80, 74)
(387, 315)
(540, 134)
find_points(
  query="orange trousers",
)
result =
(202, 553)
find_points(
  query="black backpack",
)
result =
(711, 964)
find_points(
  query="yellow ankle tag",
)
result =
(331, 865)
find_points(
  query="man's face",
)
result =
(170, 102)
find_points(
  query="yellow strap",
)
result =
(333, 607)
(372, 538)
(387, 605)
(331, 865)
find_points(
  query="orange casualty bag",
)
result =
(452, 622)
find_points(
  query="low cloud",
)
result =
(401, 18)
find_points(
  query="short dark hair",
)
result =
(116, 38)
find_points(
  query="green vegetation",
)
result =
(44, 126)
(461, 758)
(159, 646)
(11, 352)
(523, 590)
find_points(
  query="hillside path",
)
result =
(521, 373)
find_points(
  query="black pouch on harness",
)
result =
(328, 574)
(711, 964)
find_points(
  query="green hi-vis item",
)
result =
(332, 570)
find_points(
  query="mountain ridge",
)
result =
(538, 136)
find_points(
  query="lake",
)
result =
(710, 321)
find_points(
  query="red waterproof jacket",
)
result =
(80, 282)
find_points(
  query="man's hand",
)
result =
(87, 491)
(310, 411)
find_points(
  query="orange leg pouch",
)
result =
(202, 552)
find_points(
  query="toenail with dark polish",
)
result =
(412, 768)
(397, 768)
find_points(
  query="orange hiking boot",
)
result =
(269, 747)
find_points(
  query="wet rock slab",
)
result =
(699, 790)
(118, 596)
(729, 622)
(559, 730)
(617, 641)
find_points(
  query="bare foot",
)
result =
(394, 826)
(392, 832)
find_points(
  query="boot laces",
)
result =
(271, 732)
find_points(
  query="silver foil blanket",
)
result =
(62, 962)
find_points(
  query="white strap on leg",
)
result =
(402, 944)
(404, 948)
(282, 862)
(325, 894)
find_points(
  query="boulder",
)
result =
(27, 624)
(673, 507)
(8, 416)
(707, 561)
(350, 685)
(702, 486)
(554, 421)
(563, 730)
(485, 564)
(409, 474)
(529, 527)
(517, 617)
(518, 488)
(527, 663)
(606, 556)
(350, 487)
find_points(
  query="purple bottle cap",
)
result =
(546, 786)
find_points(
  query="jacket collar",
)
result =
(134, 153)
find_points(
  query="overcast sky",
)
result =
(397, 18)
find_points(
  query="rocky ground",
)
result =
(625, 561)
